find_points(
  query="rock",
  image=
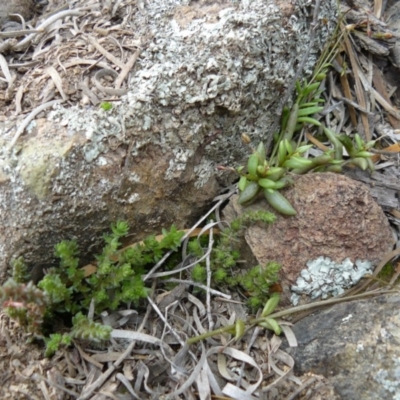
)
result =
(336, 218)
(393, 21)
(207, 72)
(23, 7)
(355, 345)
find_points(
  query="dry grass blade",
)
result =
(44, 25)
(18, 99)
(347, 92)
(203, 385)
(358, 85)
(354, 105)
(30, 118)
(236, 393)
(378, 7)
(316, 142)
(5, 70)
(55, 76)
(186, 385)
(289, 334)
(89, 359)
(243, 357)
(105, 53)
(111, 91)
(127, 385)
(385, 104)
(380, 87)
(19, 33)
(127, 68)
(145, 372)
(54, 384)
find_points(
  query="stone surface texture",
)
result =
(393, 21)
(355, 345)
(336, 218)
(208, 72)
(25, 8)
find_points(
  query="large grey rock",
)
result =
(355, 345)
(208, 72)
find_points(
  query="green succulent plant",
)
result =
(270, 175)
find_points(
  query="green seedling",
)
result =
(239, 328)
(106, 106)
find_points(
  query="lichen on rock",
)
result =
(207, 72)
(323, 278)
(336, 218)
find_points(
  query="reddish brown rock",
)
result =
(336, 218)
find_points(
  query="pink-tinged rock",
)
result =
(336, 218)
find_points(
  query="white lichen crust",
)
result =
(323, 278)
(390, 379)
(210, 72)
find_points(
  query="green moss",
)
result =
(66, 294)
(65, 291)
(386, 272)
(106, 106)
(224, 261)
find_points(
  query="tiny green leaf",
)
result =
(272, 325)
(309, 111)
(249, 192)
(279, 202)
(270, 305)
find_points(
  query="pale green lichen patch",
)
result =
(390, 378)
(323, 277)
(39, 161)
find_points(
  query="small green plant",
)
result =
(66, 291)
(117, 278)
(56, 341)
(239, 327)
(257, 282)
(106, 106)
(224, 257)
(287, 157)
(20, 270)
